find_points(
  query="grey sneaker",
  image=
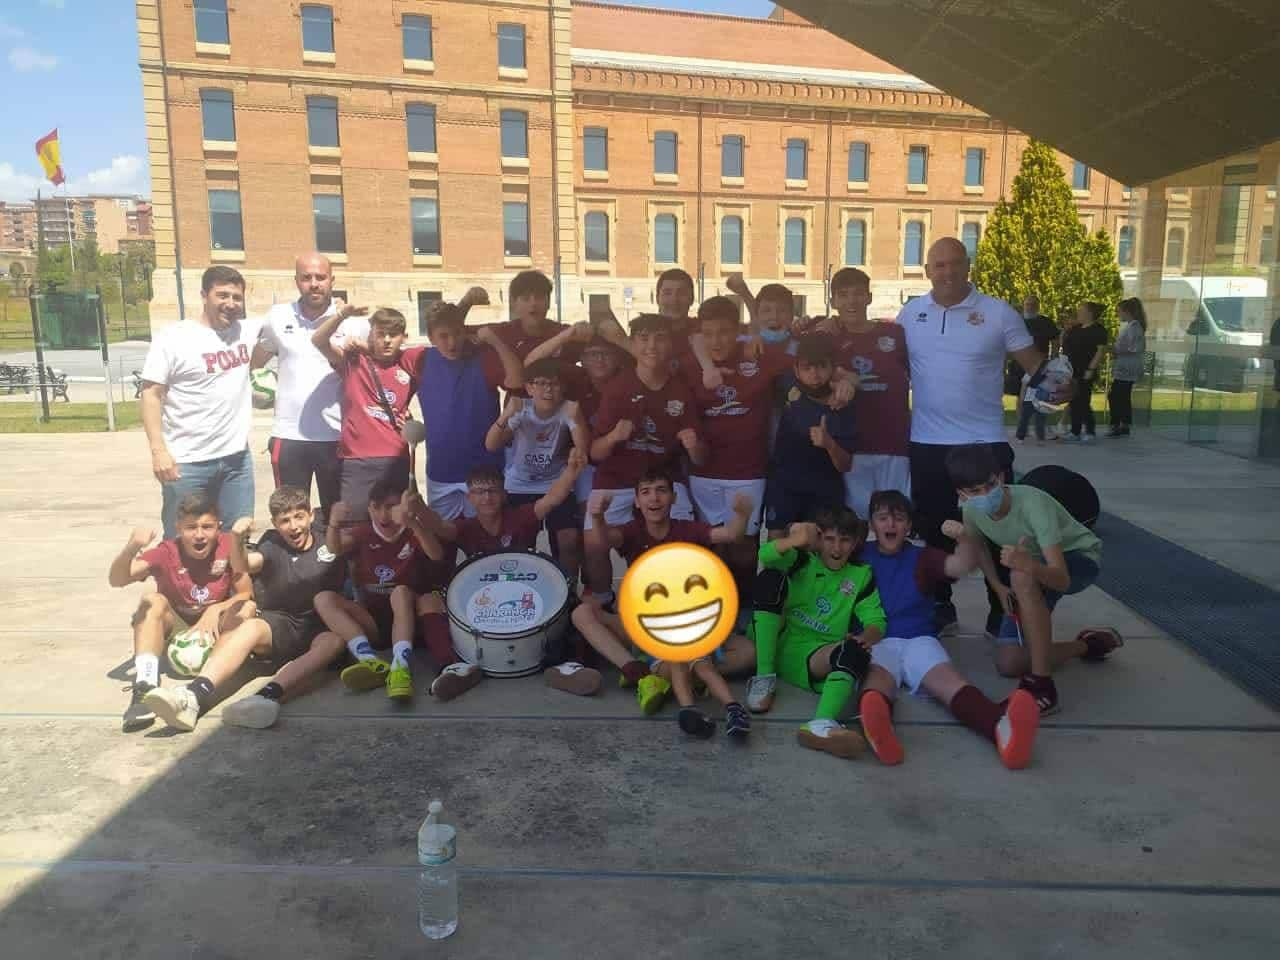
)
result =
(760, 690)
(255, 712)
(138, 716)
(176, 708)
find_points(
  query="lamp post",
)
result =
(124, 307)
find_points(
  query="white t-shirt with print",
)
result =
(307, 405)
(207, 411)
(539, 448)
(957, 357)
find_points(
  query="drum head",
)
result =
(504, 594)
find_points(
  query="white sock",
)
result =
(146, 669)
(361, 648)
(400, 654)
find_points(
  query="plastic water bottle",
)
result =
(437, 876)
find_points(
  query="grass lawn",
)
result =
(66, 417)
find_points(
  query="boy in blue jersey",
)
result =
(910, 655)
(813, 446)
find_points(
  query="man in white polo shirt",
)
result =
(195, 402)
(304, 434)
(957, 340)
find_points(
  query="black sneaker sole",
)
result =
(696, 723)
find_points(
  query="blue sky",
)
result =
(73, 64)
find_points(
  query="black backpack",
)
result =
(1069, 488)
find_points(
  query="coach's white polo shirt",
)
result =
(957, 359)
(307, 393)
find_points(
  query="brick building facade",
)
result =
(431, 145)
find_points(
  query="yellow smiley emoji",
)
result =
(678, 602)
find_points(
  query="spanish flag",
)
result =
(50, 153)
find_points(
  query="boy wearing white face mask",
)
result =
(1049, 554)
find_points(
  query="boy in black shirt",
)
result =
(1085, 345)
(290, 567)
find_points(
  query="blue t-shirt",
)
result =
(459, 401)
(906, 582)
(797, 465)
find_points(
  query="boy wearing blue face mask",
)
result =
(1049, 554)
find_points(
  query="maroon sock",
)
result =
(435, 634)
(635, 671)
(972, 708)
(876, 693)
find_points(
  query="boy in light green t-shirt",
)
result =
(1049, 554)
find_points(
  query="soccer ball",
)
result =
(263, 382)
(188, 651)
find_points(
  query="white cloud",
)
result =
(127, 174)
(26, 59)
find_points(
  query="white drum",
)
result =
(505, 609)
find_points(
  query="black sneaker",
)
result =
(945, 618)
(737, 722)
(696, 723)
(138, 716)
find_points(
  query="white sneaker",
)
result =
(454, 680)
(1088, 438)
(176, 707)
(830, 737)
(255, 712)
(760, 691)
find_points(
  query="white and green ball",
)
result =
(188, 651)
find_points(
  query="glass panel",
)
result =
(797, 160)
(597, 237)
(425, 215)
(731, 156)
(515, 136)
(511, 46)
(218, 113)
(421, 121)
(417, 38)
(793, 243)
(918, 165)
(226, 231)
(973, 163)
(858, 163)
(331, 231)
(1173, 250)
(515, 229)
(427, 300)
(664, 152)
(322, 121)
(855, 243)
(1080, 176)
(731, 240)
(211, 21)
(317, 29)
(595, 148)
(1124, 246)
(970, 234)
(913, 247)
(664, 238)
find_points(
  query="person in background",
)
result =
(1130, 350)
(1085, 344)
(1043, 330)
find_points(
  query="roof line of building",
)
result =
(746, 70)
(694, 14)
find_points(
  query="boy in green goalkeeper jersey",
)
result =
(817, 616)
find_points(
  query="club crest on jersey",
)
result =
(823, 605)
(976, 318)
(886, 344)
(199, 593)
(727, 393)
(675, 408)
(748, 368)
(218, 567)
(846, 587)
(862, 366)
(325, 555)
(405, 552)
(505, 540)
(922, 317)
(384, 573)
(650, 427)
(402, 376)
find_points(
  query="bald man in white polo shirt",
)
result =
(957, 341)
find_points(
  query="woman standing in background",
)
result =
(1130, 351)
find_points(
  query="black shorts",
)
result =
(784, 506)
(358, 477)
(563, 517)
(291, 633)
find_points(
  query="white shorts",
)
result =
(908, 660)
(872, 472)
(582, 486)
(449, 500)
(714, 500)
(620, 510)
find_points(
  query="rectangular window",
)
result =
(1124, 246)
(322, 121)
(665, 248)
(515, 229)
(1080, 176)
(416, 32)
(596, 232)
(918, 165)
(427, 300)
(970, 234)
(732, 151)
(974, 161)
(511, 46)
(317, 28)
(331, 228)
(226, 230)
(211, 21)
(793, 242)
(1175, 244)
(595, 148)
(913, 244)
(420, 119)
(731, 240)
(1267, 249)
(859, 166)
(598, 305)
(425, 214)
(797, 159)
(1228, 215)
(664, 152)
(217, 109)
(515, 133)
(855, 243)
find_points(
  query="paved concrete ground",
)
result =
(1145, 827)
